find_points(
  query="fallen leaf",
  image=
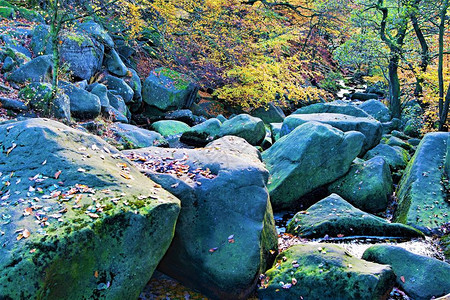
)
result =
(26, 233)
(402, 279)
(11, 149)
(93, 216)
(28, 211)
(57, 174)
(213, 249)
(96, 274)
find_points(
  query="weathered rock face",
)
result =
(422, 192)
(226, 230)
(371, 128)
(167, 90)
(78, 221)
(245, 126)
(37, 70)
(421, 277)
(334, 216)
(296, 161)
(367, 185)
(334, 108)
(83, 55)
(324, 271)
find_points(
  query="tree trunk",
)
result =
(394, 86)
(443, 107)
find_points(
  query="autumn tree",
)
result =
(249, 52)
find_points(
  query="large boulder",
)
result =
(334, 108)
(371, 128)
(96, 31)
(40, 43)
(83, 105)
(333, 216)
(421, 277)
(201, 134)
(120, 87)
(83, 55)
(237, 146)
(324, 271)
(78, 221)
(133, 137)
(225, 233)
(114, 64)
(270, 113)
(37, 70)
(396, 157)
(101, 91)
(170, 127)
(423, 191)
(297, 161)
(376, 109)
(245, 126)
(367, 185)
(168, 90)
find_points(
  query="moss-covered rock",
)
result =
(324, 271)
(396, 157)
(423, 191)
(82, 54)
(245, 126)
(167, 90)
(419, 276)
(367, 185)
(225, 233)
(80, 221)
(7, 12)
(297, 161)
(201, 134)
(334, 216)
(170, 127)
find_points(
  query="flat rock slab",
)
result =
(371, 128)
(333, 107)
(419, 276)
(423, 190)
(333, 216)
(78, 221)
(324, 271)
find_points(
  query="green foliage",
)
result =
(331, 82)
